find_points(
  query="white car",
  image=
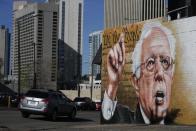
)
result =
(48, 103)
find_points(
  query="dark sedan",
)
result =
(84, 103)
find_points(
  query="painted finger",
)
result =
(121, 38)
(122, 46)
(123, 50)
(111, 59)
(116, 56)
(119, 51)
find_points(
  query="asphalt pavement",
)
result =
(11, 120)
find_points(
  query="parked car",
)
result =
(48, 103)
(84, 103)
(15, 99)
(5, 98)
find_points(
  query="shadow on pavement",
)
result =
(63, 119)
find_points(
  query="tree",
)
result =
(26, 77)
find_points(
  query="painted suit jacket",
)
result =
(123, 114)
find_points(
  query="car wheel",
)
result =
(53, 115)
(73, 114)
(25, 114)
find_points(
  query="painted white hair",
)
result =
(147, 28)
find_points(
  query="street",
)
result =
(11, 120)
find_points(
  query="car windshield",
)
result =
(37, 94)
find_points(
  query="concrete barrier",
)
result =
(85, 92)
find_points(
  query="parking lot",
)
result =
(11, 119)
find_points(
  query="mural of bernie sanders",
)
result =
(153, 69)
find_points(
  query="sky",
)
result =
(93, 21)
(6, 13)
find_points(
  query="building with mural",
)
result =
(144, 75)
(149, 67)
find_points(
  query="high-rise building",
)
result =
(121, 12)
(35, 44)
(4, 52)
(95, 40)
(70, 41)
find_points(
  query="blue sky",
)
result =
(93, 21)
(6, 13)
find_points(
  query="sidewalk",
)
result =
(118, 127)
(132, 127)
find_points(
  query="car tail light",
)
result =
(22, 98)
(45, 101)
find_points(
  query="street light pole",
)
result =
(78, 83)
(34, 72)
(19, 75)
(91, 89)
(34, 59)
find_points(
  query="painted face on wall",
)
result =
(153, 88)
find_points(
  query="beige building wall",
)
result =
(71, 23)
(85, 92)
(70, 40)
(38, 24)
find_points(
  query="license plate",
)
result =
(32, 102)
